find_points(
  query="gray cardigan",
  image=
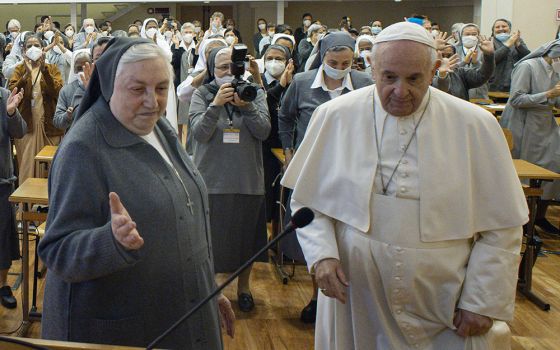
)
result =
(10, 127)
(506, 58)
(230, 168)
(96, 291)
(70, 96)
(300, 101)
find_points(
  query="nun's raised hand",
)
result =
(14, 100)
(486, 45)
(88, 70)
(224, 95)
(288, 74)
(442, 41)
(124, 229)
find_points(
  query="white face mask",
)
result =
(275, 67)
(230, 40)
(188, 38)
(168, 34)
(57, 50)
(14, 34)
(69, 33)
(48, 35)
(224, 80)
(307, 23)
(34, 53)
(89, 29)
(262, 26)
(271, 33)
(469, 41)
(556, 65)
(435, 33)
(334, 73)
(197, 29)
(151, 32)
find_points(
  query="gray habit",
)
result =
(528, 114)
(96, 291)
(70, 96)
(234, 175)
(10, 127)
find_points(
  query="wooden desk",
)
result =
(44, 158)
(32, 191)
(57, 345)
(279, 154)
(498, 95)
(536, 175)
(494, 108)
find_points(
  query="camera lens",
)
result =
(247, 92)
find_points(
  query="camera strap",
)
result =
(230, 114)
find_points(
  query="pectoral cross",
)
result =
(190, 204)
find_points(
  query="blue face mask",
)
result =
(376, 30)
(503, 36)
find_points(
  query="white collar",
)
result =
(319, 82)
(268, 77)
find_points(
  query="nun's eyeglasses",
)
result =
(223, 67)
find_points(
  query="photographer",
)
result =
(228, 133)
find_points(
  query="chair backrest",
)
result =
(509, 137)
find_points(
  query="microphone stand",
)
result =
(291, 227)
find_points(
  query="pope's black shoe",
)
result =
(309, 313)
(7, 297)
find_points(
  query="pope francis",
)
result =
(418, 210)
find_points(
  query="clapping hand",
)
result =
(288, 74)
(88, 70)
(124, 229)
(470, 324)
(14, 100)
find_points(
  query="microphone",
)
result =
(301, 218)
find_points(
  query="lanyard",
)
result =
(378, 143)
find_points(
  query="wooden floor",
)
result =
(275, 325)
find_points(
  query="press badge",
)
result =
(231, 135)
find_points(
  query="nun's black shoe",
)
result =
(7, 297)
(245, 302)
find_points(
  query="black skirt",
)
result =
(9, 244)
(238, 224)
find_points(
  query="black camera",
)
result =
(244, 89)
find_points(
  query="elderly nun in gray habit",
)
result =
(535, 91)
(128, 243)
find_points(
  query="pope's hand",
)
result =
(470, 324)
(331, 279)
(124, 229)
(227, 316)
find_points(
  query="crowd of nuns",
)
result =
(295, 71)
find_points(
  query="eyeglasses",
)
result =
(223, 67)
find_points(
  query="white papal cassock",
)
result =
(447, 235)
